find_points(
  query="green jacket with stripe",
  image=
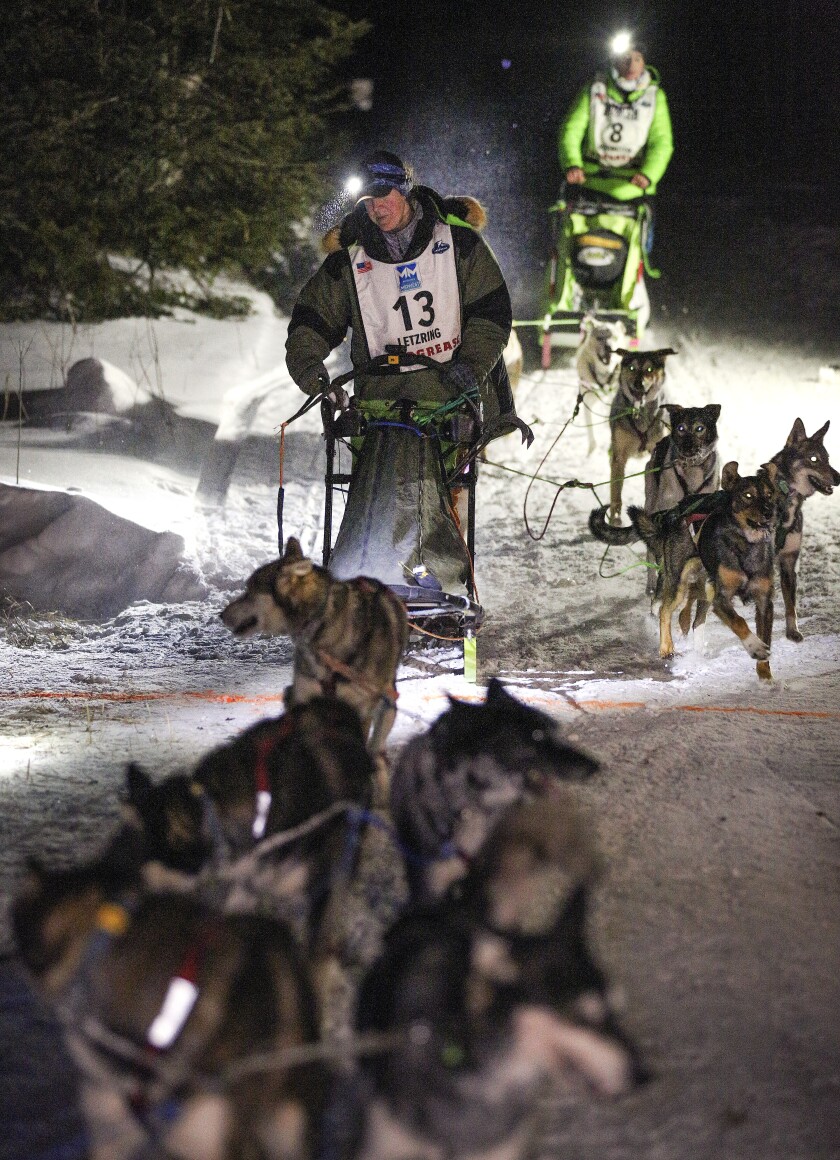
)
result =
(577, 149)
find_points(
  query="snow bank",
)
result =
(65, 553)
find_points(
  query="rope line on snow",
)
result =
(238, 698)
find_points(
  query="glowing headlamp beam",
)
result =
(622, 42)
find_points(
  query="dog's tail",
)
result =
(607, 534)
(642, 527)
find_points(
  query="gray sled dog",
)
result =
(451, 783)
(349, 635)
(495, 1001)
(597, 359)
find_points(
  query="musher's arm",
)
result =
(319, 322)
(485, 303)
(660, 142)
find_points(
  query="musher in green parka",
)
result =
(408, 267)
(617, 138)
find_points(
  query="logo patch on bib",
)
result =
(408, 277)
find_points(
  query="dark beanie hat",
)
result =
(383, 171)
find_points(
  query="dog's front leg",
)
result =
(762, 591)
(666, 613)
(730, 581)
(618, 464)
(788, 560)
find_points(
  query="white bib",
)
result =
(416, 304)
(619, 129)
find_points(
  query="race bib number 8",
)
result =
(620, 130)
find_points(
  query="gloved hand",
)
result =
(461, 377)
(315, 379)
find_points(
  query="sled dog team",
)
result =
(265, 962)
(711, 534)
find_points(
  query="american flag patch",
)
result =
(364, 267)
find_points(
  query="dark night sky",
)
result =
(752, 88)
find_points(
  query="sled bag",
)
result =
(398, 513)
(598, 257)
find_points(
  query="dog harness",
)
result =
(178, 1003)
(265, 748)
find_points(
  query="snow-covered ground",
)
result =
(716, 805)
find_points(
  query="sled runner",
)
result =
(409, 517)
(597, 266)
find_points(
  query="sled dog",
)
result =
(273, 822)
(684, 462)
(597, 359)
(498, 998)
(349, 635)
(636, 423)
(162, 1001)
(450, 784)
(803, 468)
(711, 549)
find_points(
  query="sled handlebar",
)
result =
(393, 359)
(589, 206)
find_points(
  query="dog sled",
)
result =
(597, 267)
(407, 470)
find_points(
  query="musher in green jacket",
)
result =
(408, 267)
(617, 137)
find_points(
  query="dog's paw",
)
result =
(756, 647)
(793, 633)
(763, 670)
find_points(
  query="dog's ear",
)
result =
(625, 353)
(771, 470)
(497, 693)
(821, 433)
(797, 433)
(713, 411)
(729, 475)
(293, 550)
(673, 409)
(138, 785)
(665, 351)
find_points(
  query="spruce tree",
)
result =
(181, 133)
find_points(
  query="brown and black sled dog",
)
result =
(803, 468)
(349, 635)
(711, 549)
(162, 1001)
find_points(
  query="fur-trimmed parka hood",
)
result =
(357, 226)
